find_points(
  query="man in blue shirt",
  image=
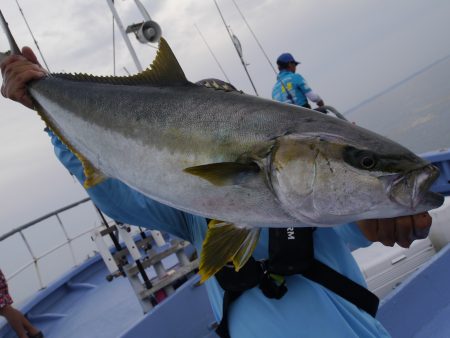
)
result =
(308, 309)
(292, 87)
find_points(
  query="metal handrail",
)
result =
(42, 218)
(68, 240)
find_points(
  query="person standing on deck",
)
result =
(291, 87)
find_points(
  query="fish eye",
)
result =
(367, 161)
(361, 159)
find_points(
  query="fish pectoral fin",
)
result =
(225, 173)
(225, 243)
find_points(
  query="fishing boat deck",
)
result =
(420, 307)
(83, 303)
(86, 305)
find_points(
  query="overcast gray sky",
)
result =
(349, 49)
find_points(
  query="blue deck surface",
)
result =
(420, 306)
(187, 314)
(84, 304)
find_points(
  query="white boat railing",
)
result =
(35, 259)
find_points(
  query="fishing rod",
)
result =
(32, 35)
(212, 53)
(288, 93)
(237, 46)
(254, 36)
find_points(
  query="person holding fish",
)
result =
(281, 288)
(291, 87)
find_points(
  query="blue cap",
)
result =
(286, 58)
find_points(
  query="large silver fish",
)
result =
(225, 155)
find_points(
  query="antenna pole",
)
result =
(124, 35)
(143, 11)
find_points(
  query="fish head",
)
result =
(327, 179)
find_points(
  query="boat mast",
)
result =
(124, 35)
(146, 32)
(237, 46)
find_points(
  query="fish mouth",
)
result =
(412, 190)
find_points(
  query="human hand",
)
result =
(320, 103)
(17, 71)
(401, 230)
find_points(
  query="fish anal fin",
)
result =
(246, 250)
(92, 175)
(224, 242)
(224, 173)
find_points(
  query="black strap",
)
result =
(235, 283)
(228, 298)
(291, 251)
(343, 286)
(246, 278)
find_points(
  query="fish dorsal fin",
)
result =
(164, 71)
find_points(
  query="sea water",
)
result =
(414, 112)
